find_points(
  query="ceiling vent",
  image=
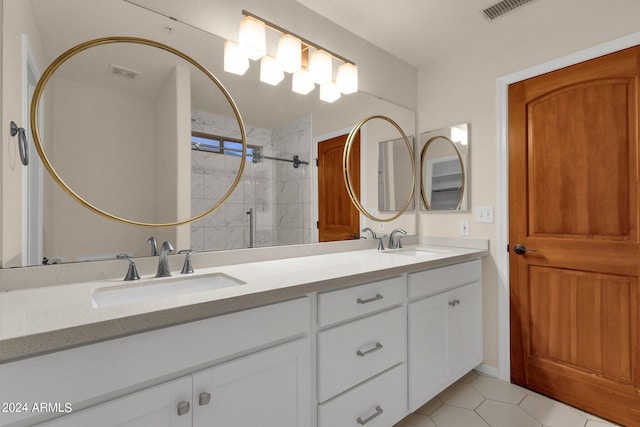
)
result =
(117, 70)
(503, 7)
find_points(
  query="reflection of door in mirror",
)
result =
(32, 175)
(338, 218)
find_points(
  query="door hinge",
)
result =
(317, 224)
(317, 162)
(507, 247)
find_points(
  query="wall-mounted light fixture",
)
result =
(308, 63)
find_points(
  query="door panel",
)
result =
(338, 218)
(573, 197)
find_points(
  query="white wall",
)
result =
(462, 88)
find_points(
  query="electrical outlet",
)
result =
(484, 214)
(464, 227)
(381, 226)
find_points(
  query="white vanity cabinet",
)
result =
(361, 354)
(267, 388)
(245, 368)
(152, 407)
(445, 328)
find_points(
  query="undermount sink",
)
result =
(150, 289)
(417, 252)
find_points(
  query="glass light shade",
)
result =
(252, 38)
(289, 53)
(320, 67)
(329, 92)
(347, 78)
(301, 82)
(270, 72)
(459, 135)
(235, 61)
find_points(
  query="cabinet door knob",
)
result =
(454, 302)
(368, 300)
(204, 399)
(378, 412)
(183, 408)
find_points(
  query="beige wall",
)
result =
(20, 22)
(462, 88)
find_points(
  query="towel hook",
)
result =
(22, 142)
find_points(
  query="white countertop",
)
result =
(38, 320)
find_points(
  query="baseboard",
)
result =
(489, 370)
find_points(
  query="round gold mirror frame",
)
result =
(347, 172)
(423, 156)
(34, 119)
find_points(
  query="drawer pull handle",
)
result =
(367, 301)
(371, 350)
(204, 399)
(378, 412)
(183, 408)
(454, 302)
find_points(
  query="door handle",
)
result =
(521, 249)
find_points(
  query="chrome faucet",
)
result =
(397, 243)
(373, 233)
(163, 261)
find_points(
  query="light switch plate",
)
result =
(484, 214)
(464, 227)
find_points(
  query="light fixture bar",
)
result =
(304, 41)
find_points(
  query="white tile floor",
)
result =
(480, 401)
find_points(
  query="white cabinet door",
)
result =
(265, 389)
(156, 406)
(428, 349)
(445, 341)
(465, 328)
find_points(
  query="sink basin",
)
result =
(417, 252)
(161, 288)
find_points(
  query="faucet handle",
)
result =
(132, 272)
(380, 242)
(187, 268)
(154, 245)
(166, 246)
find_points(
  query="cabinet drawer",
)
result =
(440, 279)
(351, 353)
(380, 402)
(337, 306)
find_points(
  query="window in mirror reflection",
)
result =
(220, 145)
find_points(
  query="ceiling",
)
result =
(421, 31)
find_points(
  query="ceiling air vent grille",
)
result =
(503, 7)
(117, 70)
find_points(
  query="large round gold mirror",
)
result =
(393, 154)
(112, 122)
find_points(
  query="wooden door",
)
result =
(338, 218)
(573, 195)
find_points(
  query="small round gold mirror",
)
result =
(395, 165)
(442, 174)
(129, 161)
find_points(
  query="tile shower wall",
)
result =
(278, 193)
(293, 185)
